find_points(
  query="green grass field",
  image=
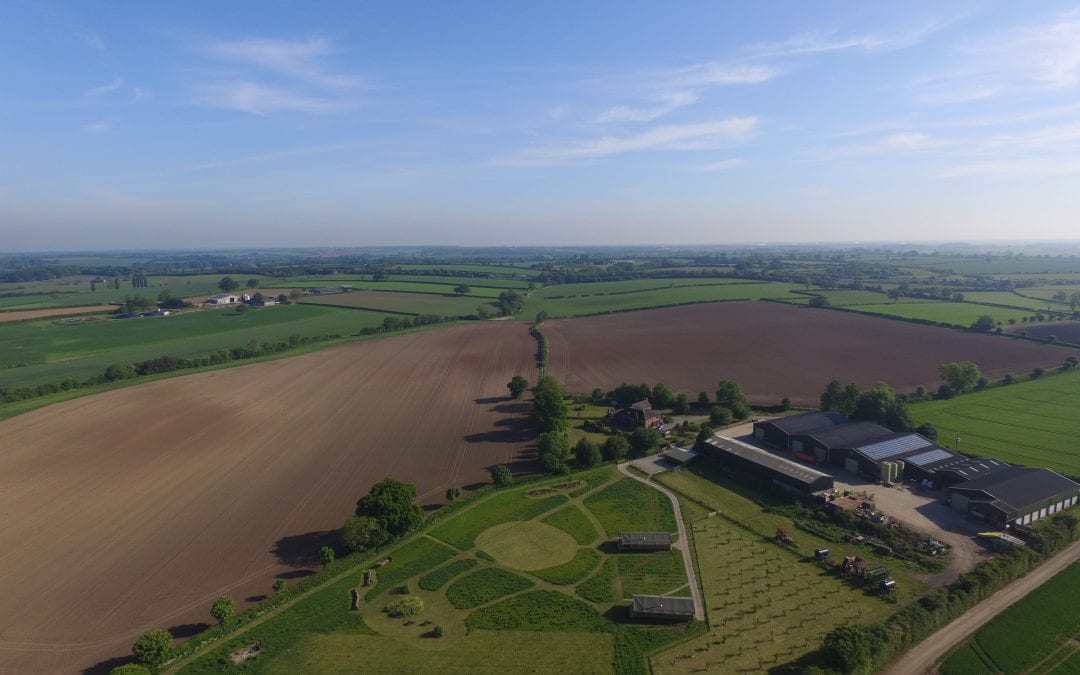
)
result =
(583, 563)
(61, 293)
(956, 313)
(408, 303)
(357, 280)
(1034, 423)
(529, 545)
(461, 530)
(592, 299)
(483, 586)
(415, 557)
(481, 651)
(476, 269)
(1013, 300)
(391, 285)
(766, 606)
(45, 351)
(630, 506)
(1039, 634)
(575, 523)
(852, 298)
(435, 580)
(1047, 292)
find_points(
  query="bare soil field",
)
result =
(1065, 331)
(772, 349)
(25, 314)
(132, 510)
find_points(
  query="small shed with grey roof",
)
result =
(662, 607)
(779, 431)
(1015, 495)
(680, 456)
(781, 472)
(645, 541)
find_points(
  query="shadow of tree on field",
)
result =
(255, 598)
(105, 667)
(295, 574)
(186, 630)
(490, 400)
(300, 550)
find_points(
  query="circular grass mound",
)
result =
(527, 545)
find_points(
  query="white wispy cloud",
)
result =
(261, 99)
(1028, 167)
(716, 74)
(100, 126)
(277, 76)
(701, 136)
(107, 88)
(298, 59)
(667, 104)
(722, 165)
(824, 41)
(908, 142)
(1034, 58)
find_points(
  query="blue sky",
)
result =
(145, 125)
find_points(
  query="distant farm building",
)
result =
(662, 607)
(640, 414)
(1014, 495)
(783, 473)
(227, 299)
(645, 541)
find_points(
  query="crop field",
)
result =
(1048, 292)
(1033, 423)
(480, 269)
(961, 314)
(330, 280)
(852, 298)
(408, 303)
(1013, 300)
(133, 509)
(662, 293)
(403, 287)
(1065, 331)
(773, 349)
(47, 351)
(27, 314)
(766, 605)
(1039, 634)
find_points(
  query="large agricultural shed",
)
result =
(830, 445)
(1015, 495)
(783, 473)
(662, 607)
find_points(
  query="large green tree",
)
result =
(228, 284)
(391, 503)
(153, 649)
(881, 405)
(616, 448)
(645, 441)
(729, 394)
(549, 405)
(223, 609)
(517, 386)
(961, 376)
(840, 398)
(362, 533)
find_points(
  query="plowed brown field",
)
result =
(132, 510)
(24, 314)
(774, 350)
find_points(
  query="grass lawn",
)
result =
(529, 545)
(407, 303)
(539, 611)
(593, 299)
(1014, 300)
(75, 291)
(630, 506)
(461, 530)
(437, 579)
(657, 573)
(483, 586)
(36, 352)
(600, 587)
(956, 313)
(414, 558)
(478, 652)
(1036, 635)
(766, 606)
(1034, 423)
(584, 562)
(575, 523)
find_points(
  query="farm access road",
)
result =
(683, 544)
(923, 658)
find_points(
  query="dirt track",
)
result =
(132, 510)
(922, 658)
(22, 315)
(774, 350)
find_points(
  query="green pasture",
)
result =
(767, 605)
(461, 530)
(475, 269)
(529, 545)
(1048, 292)
(583, 563)
(485, 585)
(631, 506)
(50, 350)
(406, 303)
(852, 298)
(575, 523)
(588, 300)
(438, 578)
(1036, 635)
(1003, 266)
(956, 313)
(1014, 300)
(58, 293)
(391, 285)
(1034, 423)
(331, 280)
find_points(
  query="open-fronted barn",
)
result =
(1015, 495)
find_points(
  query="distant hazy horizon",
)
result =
(282, 125)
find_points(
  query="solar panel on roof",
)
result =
(893, 447)
(929, 457)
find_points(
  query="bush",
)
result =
(362, 533)
(587, 453)
(720, 417)
(326, 555)
(153, 649)
(407, 606)
(439, 631)
(616, 448)
(280, 585)
(223, 609)
(501, 476)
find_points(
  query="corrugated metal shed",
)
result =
(662, 607)
(893, 447)
(792, 470)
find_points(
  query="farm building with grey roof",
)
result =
(662, 607)
(645, 541)
(1015, 495)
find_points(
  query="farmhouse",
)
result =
(662, 607)
(783, 473)
(1014, 495)
(226, 299)
(640, 414)
(779, 432)
(645, 541)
